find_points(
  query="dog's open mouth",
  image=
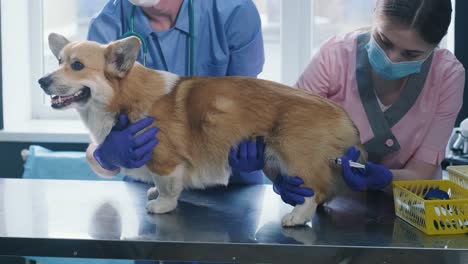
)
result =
(65, 100)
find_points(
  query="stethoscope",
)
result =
(131, 32)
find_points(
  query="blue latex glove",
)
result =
(290, 190)
(123, 148)
(374, 176)
(248, 156)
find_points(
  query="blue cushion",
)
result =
(43, 163)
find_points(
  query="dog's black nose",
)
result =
(45, 81)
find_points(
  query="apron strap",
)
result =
(409, 95)
(384, 142)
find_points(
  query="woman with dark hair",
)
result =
(401, 90)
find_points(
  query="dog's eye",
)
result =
(60, 61)
(77, 66)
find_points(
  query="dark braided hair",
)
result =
(429, 18)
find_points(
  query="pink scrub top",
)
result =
(416, 126)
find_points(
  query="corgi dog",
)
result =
(199, 120)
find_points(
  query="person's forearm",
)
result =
(407, 174)
(400, 175)
(95, 165)
(424, 172)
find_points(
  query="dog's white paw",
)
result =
(294, 219)
(301, 214)
(161, 205)
(152, 193)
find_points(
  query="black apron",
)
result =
(384, 142)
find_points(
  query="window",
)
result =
(292, 32)
(72, 21)
(70, 18)
(332, 17)
(271, 17)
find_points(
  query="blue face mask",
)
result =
(387, 69)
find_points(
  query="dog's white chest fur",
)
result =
(98, 121)
(198, 178)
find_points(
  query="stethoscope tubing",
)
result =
(131, 32)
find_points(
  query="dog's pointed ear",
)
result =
(121, 56)
(56, 43)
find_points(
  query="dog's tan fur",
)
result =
(201, 118)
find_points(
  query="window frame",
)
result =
(22, 50)
(296, 35)
(40, 109)
(1, 73)
(19, 42)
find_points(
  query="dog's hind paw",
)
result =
(161, 205)
(152, 193)
(294, 219)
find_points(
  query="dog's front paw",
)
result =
(294, 219)
(161, 205)
(152, 193)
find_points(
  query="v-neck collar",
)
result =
(384, 142)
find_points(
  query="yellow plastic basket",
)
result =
(459, 175)
(432, 216)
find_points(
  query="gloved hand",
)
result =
(248, 156)
(290, 190)
(374, 176)
(122, 147)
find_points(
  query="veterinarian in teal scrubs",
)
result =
(226, 41)
(227, 34)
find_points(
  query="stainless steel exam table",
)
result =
(105, 219)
